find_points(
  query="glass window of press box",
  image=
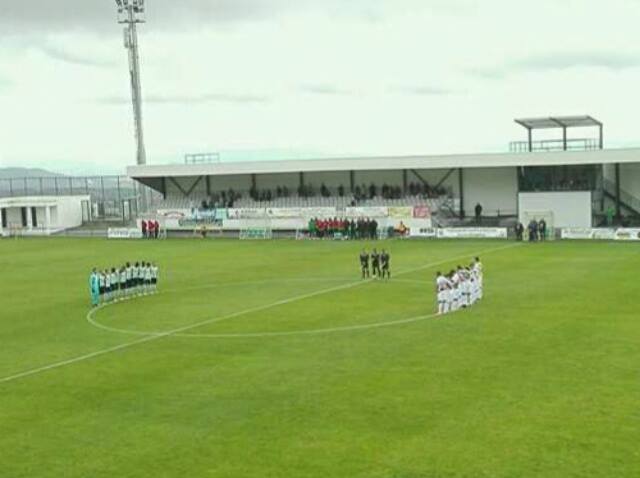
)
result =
(560, 178)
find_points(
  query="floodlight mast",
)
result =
(130, 13)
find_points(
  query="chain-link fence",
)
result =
(112, 198)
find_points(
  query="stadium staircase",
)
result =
(627, 200)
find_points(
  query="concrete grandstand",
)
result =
(452, 186)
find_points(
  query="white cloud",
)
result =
(357, 77)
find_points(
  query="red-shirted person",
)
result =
(151, 227)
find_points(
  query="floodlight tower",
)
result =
(130, 13)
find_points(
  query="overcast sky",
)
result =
(323, 77)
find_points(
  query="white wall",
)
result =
(434, 176)
(331, 179)
(272, 181)
(496, 189)
(65, 212)
(199, 191)
(237, 182)
(14, 216)
(570, 209)
(391, 178)
(629, 177)
(68, 212)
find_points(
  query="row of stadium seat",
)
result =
(296, 202)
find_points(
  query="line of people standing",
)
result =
(118, 283)
(363, 228)
(150, 229)
(380, 264)
(537, 230)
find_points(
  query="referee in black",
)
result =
(375, 263)
(364, 263)
(385, 258)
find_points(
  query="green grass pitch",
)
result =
(268, 359)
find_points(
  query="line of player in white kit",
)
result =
(460, 288)
(121, 282)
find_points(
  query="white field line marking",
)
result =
(275, 304)
(157, 336)
(95, 323)
(229, 316)
(345, 328)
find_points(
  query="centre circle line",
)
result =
(181, 331)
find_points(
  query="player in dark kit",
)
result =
(385, 258)
(364, 263)
(375, 263)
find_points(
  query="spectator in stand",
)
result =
(610, 213)
(144, 228)
(478, 213)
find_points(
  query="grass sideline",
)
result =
(540, 379)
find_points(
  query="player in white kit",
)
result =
(477, 265)
(442, 290)
(455, 290)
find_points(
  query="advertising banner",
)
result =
(301, 212)
(174, 213)
(625, 234)
(401, 212)
(123, 233)
(189, 219)
(309, 212)
(288, 212)
(355, 212)
(587, 233)
(247, 213)
(473, 233)
(423, 212)
(423, 232)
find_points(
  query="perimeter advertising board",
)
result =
(473, 233)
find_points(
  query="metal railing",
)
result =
(202, 158)
(548, 145)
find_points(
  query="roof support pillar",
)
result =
(530, 137)
(564, 138)
(601, 145)
(617, 192)
(461, 186)
(163, 187)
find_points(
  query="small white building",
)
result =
(42, 215)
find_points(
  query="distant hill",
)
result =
(6, 173)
